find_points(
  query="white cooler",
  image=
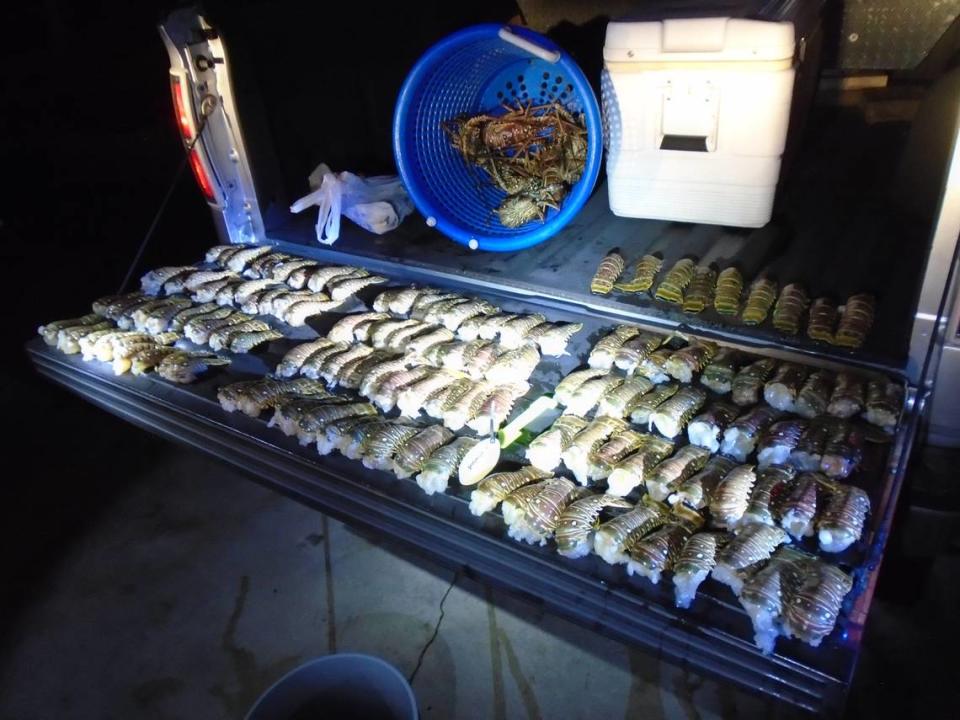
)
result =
(695, 118)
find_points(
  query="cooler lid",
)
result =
(699, 40)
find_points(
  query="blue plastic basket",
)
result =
(476, 70)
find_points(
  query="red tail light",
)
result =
(180, 108)
(184, 117)
(200, 173)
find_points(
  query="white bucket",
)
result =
(344, 687)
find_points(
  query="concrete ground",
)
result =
(200, 588)
(175, 588)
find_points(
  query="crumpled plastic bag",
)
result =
(378, 204)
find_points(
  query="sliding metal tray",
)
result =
(713, 637)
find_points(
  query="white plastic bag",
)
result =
(377, 204)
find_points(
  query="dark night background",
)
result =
(88, 149)
(88, 146)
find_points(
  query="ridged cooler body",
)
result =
(695, 115)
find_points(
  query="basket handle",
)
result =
(551, 56)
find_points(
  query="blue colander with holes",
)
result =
(478, 70)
